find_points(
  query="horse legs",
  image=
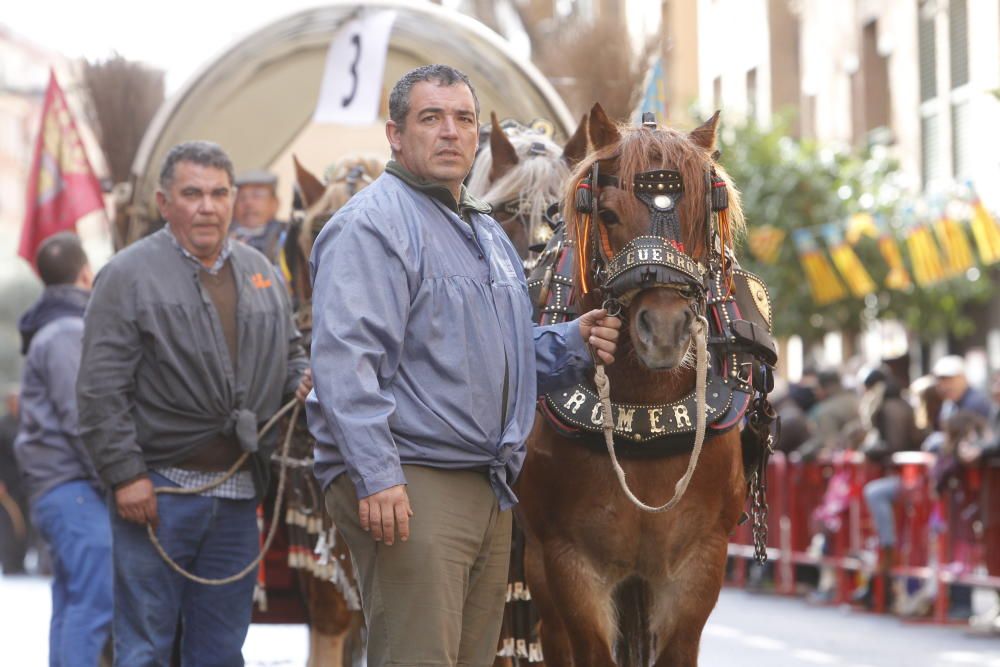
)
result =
(681, 609)
(329, 621)
(555, 642)
(582, 598)
(325, 650)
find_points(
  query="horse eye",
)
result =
(609, 217)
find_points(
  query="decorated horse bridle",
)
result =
(658, 258)
(742, 351)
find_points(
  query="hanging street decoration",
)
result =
(823, 281)
(935, 251)
(844, 258)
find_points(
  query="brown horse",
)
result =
(612, 581)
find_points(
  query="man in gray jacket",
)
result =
(66, 500)
(189, 347)
(427, 366)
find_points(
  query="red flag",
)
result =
(62, 188)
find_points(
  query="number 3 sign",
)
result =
(355, 65)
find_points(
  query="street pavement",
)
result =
(748, 630)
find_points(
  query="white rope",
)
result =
(293, 405)
(699, 330)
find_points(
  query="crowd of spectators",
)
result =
(872, 416)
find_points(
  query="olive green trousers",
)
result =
(438, 598)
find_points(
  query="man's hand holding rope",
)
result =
(600, 331)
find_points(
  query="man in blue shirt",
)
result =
(67, 500)
(427, 366)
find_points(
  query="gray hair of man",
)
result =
(445, 75)
(204, 153)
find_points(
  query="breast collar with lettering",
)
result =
(655, 259)
(641, 430)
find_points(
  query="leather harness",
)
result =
(735, 302)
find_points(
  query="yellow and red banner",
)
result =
(824, 284)
(928, 267)
(957, 252)
(765, 242)
(986, 232)
(62, 187)
(851, 269)
(898, 278)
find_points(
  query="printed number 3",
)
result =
(356, 41)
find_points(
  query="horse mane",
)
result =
(338, 191)
(642, 149)
(535, 182)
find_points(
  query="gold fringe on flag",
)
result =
(986, 232)
(957, 252)
(898, 277)
(925, 257)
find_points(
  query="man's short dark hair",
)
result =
(445, 75)
(204, 153)
(60, 259)
(830, 380)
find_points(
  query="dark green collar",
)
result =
(467, 204)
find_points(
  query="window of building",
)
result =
(808, 120)
(927, 47)
(752, 93)
(958, 41)
(931, 165)
(961, 134)
(876, 89)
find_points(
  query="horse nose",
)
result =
(656, 328)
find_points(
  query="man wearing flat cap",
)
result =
(254, 221)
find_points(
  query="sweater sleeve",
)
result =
(106, 381)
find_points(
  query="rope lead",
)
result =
(295, 407)
(699, 329)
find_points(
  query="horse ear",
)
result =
(704, 134)
(503, 152)
(310, 186)
(602, 130)
(576, 147)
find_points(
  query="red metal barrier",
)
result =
(951, 537)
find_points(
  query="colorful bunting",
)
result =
(955, 244)
(823, 282)
(925, 257)
(937, 250)
(765, 243)
(847, 262)
(986, 232)
(860, 225)
(898, 277)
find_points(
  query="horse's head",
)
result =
(640, 208)
(316, 203)
(520, 172)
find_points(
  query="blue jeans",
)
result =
(74, 522)
(210, 537)
(880, 494)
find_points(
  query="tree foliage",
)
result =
(792, 185)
